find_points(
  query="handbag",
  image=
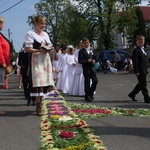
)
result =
(97, 65)
(8, 69)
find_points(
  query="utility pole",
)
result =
(9, 33)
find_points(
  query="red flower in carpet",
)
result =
(92, 111)
(66, 134)
(45, 121)
(98, 142)
(49, 139)
(130, 111)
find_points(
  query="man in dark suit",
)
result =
(140, 69)
(86, 58)
(24, 63)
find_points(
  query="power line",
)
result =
(11, 7)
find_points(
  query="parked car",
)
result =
(110, 55)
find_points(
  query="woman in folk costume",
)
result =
(78, 82)
(40, 64)
(71, 68)
(61, 84)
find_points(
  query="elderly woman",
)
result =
(4, 56)
(40, 64)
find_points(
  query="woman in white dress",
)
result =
(78, 82)
(41, 77)
(61, 84)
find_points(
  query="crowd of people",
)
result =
(77, 66)
(42, 68)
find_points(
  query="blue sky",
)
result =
(16, 19)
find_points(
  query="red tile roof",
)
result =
(146, 12)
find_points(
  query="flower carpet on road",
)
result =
(63, 125)
(88, 111)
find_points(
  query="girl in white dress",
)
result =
(71, 68)
(61, 84)
(78, 82)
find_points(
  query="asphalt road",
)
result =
(19, 128)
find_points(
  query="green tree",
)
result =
(52, 10)
(95, 19)
(107, 16)
(76, 26)
(140, 25)
(65, 24)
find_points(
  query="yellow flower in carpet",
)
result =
(54, 149)
(81, 147)
(55, 116)
(71, 148)
(47, 137)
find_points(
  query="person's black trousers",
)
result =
(25, 81)
(141, 86)
(90, 88)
